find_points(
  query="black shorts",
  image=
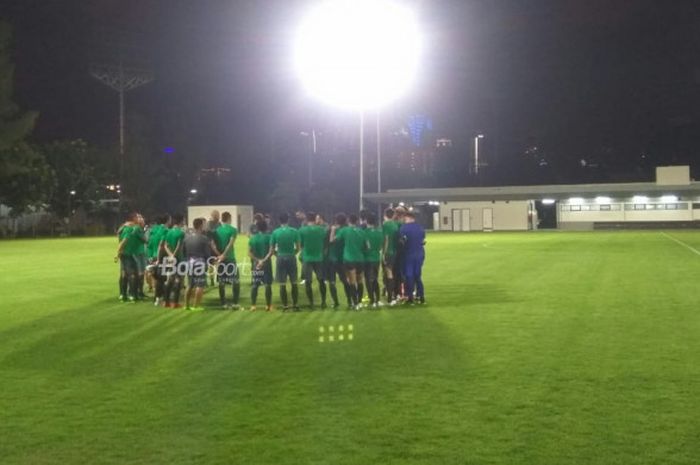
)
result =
(308, 269)
(371, 271)
(398, 265)
(262, 276)
(227, 272)
(287, 269)
(358, 267)
(333, 269)
(389, 261)
(128, 265)
(171, 267)
(197, 272)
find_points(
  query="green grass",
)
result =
(535, 348)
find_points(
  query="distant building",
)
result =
(673, 200)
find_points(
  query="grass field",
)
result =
(535, 348)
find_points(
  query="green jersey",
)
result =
(375, 240)
(155, 236)
(139, 242)
(354, 244)
(259, 244)
(390, 229)
(335, 249)
(125, 233)
(174, 236)
(222, 236)
(285, 239)
(133, 234)
(312, 241)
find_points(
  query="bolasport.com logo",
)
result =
(199, 267)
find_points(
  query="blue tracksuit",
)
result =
(413, 237)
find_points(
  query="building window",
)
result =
(605, 208)
(640, 206)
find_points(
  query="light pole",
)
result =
(379, 167)
(312, 153)
(362, 158)
(358, 55)
(71, 194)
(476, 152)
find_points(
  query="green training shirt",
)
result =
(375, 238)
(335, 249)
(154, 237)
(285, 239)
(175, 235)
(138, 244)
(126, 232)
(354, 240)
(312, 239)
(390, 229)
(222, 235)
(259, 244)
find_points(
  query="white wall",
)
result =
(622, 210)
(673, 175)
(204, 211)
(507, 215)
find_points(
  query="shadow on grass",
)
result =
(470, 294)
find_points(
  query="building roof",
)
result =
(555, 191)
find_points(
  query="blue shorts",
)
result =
(413, 266)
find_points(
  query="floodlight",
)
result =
(357, 54)
(669, 198)
(548, 201)
(640, 198)
(602, 199)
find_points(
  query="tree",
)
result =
(78, 175)
(286, 197)
(23, 172)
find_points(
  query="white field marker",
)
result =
(680, 242)
(329, 334)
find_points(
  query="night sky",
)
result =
(607, 81)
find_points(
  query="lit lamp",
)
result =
(357, 55)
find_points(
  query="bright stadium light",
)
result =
(548, 201)
(669, 198)
(640, 198)
(357, 54)
(602, 199)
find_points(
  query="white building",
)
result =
(241, 215)
(673, 200)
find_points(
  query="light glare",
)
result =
(548, 201)
(358, 54)
(602, 199)
(576, 200)
(669, 198)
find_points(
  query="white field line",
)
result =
(678, 241)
